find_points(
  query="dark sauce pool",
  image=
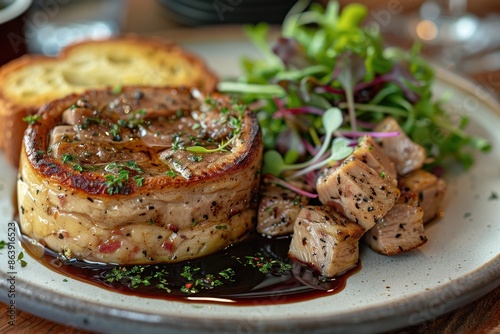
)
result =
(256, 271)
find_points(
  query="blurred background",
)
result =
(458, 34)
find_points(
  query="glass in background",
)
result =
(452, 35)
(52, 24)
(12, 39)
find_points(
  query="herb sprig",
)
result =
(234, 121)
(120, 175)
(193, 280)
(266, 265)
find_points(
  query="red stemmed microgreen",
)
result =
(290, 186)
(332, 119)
(356, 134)
(340, 150)
(325, 57)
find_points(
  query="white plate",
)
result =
(460, 262)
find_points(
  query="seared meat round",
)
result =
(369, 152)
(325, 241)
(142, 176)
(406, 154)
(400, 230)
(278, 208)
(357, 191)
(429, 188)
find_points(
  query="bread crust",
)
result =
(14, 106)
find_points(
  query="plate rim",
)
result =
(56, 306)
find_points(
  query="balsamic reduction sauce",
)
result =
(247, 285)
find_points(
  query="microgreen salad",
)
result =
(328, 80)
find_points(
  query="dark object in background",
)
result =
(205, 12)
(12, 36)
(54, 24)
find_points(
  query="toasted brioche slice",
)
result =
(29, 82)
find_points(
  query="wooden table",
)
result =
(481, 317)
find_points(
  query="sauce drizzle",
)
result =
(248, 286)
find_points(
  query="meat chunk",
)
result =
(325, 241)
(357, 191)
(406, 154)
(429, 188)
(278, 209)
(400, 230)
(112, 197)
(369, 152)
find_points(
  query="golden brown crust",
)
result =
(36, 144)
(14, 107)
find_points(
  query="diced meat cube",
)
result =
(278, 209)
(369, 152)
(401, 229)
(357, 191)
(325, 241)
(406, 154)
(429, 188)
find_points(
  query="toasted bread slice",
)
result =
(29, 82)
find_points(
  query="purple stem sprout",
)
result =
(285, 184)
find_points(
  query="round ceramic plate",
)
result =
(459, 263)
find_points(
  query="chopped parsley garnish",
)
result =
(115, 132)
(177, 143)
(235, 122)
(192, 277)
(20, 259)
(192, 280)
(139, 180)
(133, 121)
(116, 89)
(130, 276)
(196, 281)
(116, 181)
(171, 173)
(67, 157)
(266, 265)
(121, 174)
(32, 119)
(195, 158)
